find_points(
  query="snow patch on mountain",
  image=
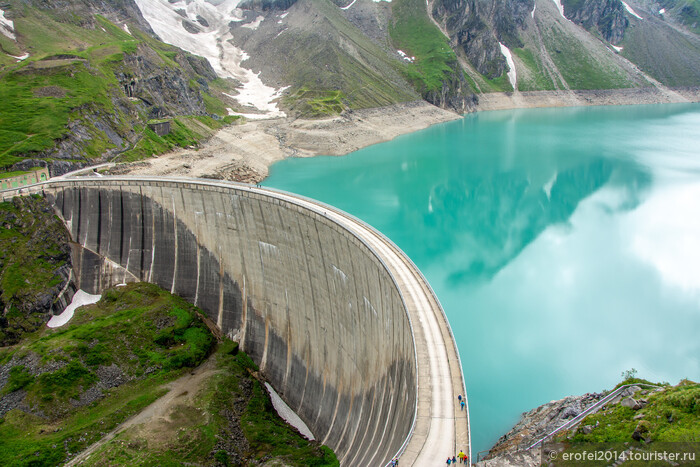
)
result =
(406, 57)
(630, 10)
(560, 7)
(512, 76)
(7, 27)
(213, 42)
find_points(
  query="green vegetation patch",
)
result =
(579, 68)
(18, 172)
(68, 88)
(315, 103)
(66, 78)
(414, 33)
(72, 384)
(535, 79)
(184, 132)
(668, 415)
(31, 122)
(230, 421)
(33, 250)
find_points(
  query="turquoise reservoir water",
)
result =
(564, 244)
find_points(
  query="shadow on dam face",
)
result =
(312, 303)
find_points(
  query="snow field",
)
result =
(214, 43)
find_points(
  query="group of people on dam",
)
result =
(461, 457)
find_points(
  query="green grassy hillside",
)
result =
(63, 389)
(330, 64)
(664, 420)
(68, 101)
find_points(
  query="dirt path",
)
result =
(151, 420)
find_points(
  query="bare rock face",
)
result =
(605, 16)
(476, 28)
(469, 33)
(539, 422)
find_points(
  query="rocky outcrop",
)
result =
(166, 90)
(470, 35)
(35, 267)
(476, 28)
(266, 5)
(83, 12)
(454, 94)
(153, 80)
(539, 422)
(605, 16)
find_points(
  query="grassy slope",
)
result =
(665, 54)
(671, 416)
(147, 333)
(199, 433)
(414, 33)
(686, 12)
(184, 132)
(79, 87)
(578, 66)
(152, 337)
(335, 66)
(535, 79)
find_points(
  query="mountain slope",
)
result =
(81, 81)
(82, 89)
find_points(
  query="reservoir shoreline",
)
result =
(245, 152)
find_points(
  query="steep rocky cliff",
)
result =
(470, 33)
(607, 17)
(35, 266)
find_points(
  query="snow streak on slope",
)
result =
(560, 7)
(20, 57)
(7, 27)
(511, 65)
(214, 43)
(630, 10)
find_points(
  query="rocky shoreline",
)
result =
(245, 152)
(533, 426)
(631, 96)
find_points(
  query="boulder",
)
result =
(641, 432)
(628, 402)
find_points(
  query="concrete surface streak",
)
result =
(341, 323)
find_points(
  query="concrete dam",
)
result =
(338, 319)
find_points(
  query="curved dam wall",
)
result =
(310, 302)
